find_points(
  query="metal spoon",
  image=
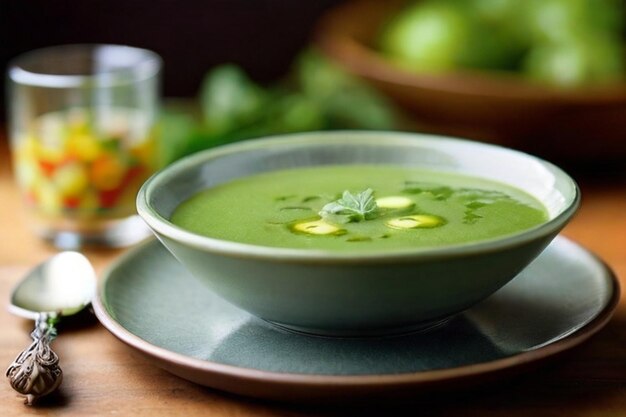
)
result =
(61, 286)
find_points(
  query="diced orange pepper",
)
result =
(71, 202)
(107, 172)
(47, 168)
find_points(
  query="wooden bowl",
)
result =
(584, 125)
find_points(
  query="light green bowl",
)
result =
(331, 293)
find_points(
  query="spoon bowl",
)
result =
(63, 285)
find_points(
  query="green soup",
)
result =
(359, 207)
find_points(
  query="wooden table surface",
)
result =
(104, 377)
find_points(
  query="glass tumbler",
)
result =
(81, 128)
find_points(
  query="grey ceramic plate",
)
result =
(150, 302)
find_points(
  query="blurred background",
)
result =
(543, 76)
(263, 36)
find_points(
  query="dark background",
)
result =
(262, 36)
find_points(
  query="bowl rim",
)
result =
(162, 226)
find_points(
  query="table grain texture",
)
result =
(103, 377)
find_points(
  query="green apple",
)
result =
(578, 60)
(426, 37)
(559, 20)
(437, 36)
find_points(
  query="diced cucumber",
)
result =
(316, 227)
(394, 202)
(415, 221)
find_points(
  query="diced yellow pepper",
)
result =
(84, 147)
(71, 179)
(48, 198)
(145, 152)
(50, 155)
(26, 172)
(26, 147)
(78, 122)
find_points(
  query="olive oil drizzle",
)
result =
(401, 211)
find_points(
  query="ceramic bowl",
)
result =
(575, 126)
(367, 293)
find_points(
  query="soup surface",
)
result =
(359, 207)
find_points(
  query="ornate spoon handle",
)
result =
(35, 372)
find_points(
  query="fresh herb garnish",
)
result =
(351, 207)
(436, 191)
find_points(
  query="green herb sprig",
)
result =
(316, 95)
(351, 207)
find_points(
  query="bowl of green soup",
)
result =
(357, 233)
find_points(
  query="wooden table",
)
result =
(104, 377)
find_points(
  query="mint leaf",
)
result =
(351, 207)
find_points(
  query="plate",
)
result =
(151, 303)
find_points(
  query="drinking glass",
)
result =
(81, 128)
